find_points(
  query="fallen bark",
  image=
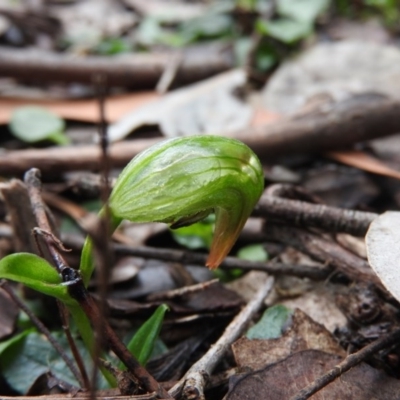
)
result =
(138, 71)
(346, 123)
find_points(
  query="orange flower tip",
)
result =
(213, 262)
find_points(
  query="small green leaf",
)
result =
(142, 344)
(302, 10)
(285, 30)
(13, 340)
(36, 273)
(32, 124)
(33, 355)
(254, 252)
(112, 46)
(271, 323)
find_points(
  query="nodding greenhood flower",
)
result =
(180, 181)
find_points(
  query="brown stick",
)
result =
(301, 213)
(340, 127)
(56, 159)
(355, 120)
(78, 291)
(349, 362)
(138, 71)
(194, 381)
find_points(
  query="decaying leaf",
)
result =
(383, 238)
(364, 161)
(303, 334)
(284, 379)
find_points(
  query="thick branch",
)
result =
(340, 127)
(137, 71)
(301, 213)
(57, 159)
(355, 120)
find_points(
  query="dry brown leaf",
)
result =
(363, 161)
(304, 334)
(81, 110)
(283, 380)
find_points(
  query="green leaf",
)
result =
(32, 355)
(254, 252)
(32, 124)
(196, 236)
(14, 340)
(112, 46)
(271, 323)
(142, 344)
(149, 32)
(285, 30)
(209, 26)
(36, 273)
(302, 10)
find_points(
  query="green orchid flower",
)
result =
(182, 180)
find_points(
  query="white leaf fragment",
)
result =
(383, 249)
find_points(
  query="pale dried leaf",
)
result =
(383, 250)
(207, 107)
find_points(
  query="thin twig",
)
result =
(190, 257)
(64, 315)
(77, 291)
(182, 291)
(193, 383)
(100, 241)
(349, 362)
(42, 328)
(169, 73)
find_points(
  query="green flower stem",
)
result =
(87, 260)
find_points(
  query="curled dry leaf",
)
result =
(383, 249)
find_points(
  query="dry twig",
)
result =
(192, 385)
(349, 362)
